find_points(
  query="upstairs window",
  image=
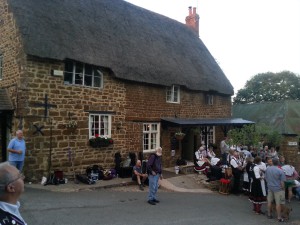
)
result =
(151, 136)
(209, 99)
(83, 74)
(173, 94)
(99, 125)
(1, 66)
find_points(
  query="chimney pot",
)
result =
(190, 10)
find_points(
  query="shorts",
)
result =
(278, 196)
(289, 183)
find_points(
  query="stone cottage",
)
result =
(74, 70)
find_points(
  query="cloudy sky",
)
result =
(246, 37)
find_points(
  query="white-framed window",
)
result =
(1, 66)
(99, 125)
(210, 135)
(82, 74)
(151, 136)
(173, 94)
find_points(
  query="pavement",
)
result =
(193, 183)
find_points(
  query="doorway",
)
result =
(5, 126)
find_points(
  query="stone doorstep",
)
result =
(188, 169)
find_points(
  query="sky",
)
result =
(246, 37)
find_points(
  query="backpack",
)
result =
(52, 179)
(149, 171)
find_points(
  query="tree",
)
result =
(255, 135)
(269, 87)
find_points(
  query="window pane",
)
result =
(153, 141)
(79, 73)
(169, 94)
(97, 81)
(154, 127)
(88, 80)
(146, 127)
(68, 75)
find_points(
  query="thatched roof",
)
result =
(283, 116)
(5, 102)
(136, 44)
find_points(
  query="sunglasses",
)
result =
(20, 176)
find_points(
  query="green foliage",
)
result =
(269, 87)
(255, 135)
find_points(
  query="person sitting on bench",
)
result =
(138, 175)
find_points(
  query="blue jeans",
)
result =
(153, 186)
(18, 164)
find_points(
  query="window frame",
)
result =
(83, 67)
(170, 94)
(149, 133)
(109, 125)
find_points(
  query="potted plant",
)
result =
(179, 135)
(100, 141)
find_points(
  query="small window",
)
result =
(151, 136)
(82, 74)
(209, 99)
(173, 94)
(99, 125)
(1, 66)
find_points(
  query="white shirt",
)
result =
(13, 209)
(234, 162)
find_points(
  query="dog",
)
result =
(285, 211)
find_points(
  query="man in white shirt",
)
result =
(11, 188)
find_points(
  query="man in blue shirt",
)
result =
(17, 149)
(275, 178)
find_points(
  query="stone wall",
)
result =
(147, 103)
(290, 151)
(72, 102)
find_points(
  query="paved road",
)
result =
(110, 206)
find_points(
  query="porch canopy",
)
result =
(224, 123)
(206, 122)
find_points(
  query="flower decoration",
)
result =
(179, 134)
(71, 124)
(101, 141)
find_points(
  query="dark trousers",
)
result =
(236, 181)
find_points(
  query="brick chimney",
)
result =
(192, 20)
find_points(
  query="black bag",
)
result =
(52, 180)
(85, 179)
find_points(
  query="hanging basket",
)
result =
(179, 137)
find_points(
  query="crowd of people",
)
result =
(263, 175)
